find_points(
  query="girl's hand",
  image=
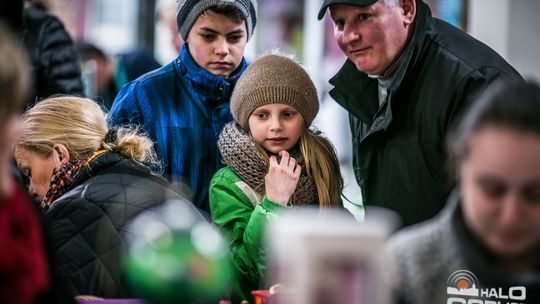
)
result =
(282, 178)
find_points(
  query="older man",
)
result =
(407, 79)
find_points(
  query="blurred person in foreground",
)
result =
(407, 80)
(54, 65)
(491, 223)
(91, 181)
(184, 105)
(23, 264)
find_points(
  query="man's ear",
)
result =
(409, 11)
(62, 152)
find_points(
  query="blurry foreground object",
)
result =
(484, 247)
(330, 257)
(176, 257)
(23, 266)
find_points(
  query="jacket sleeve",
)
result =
(60, 65)
(127, 106)
(234, 214)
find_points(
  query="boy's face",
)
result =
(217, 43)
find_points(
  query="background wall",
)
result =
(512, 28)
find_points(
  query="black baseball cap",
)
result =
(327, 3)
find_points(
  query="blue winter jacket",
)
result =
(183, 108)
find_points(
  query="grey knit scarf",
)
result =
(240, 153)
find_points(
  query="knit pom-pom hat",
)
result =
(274, 79)
(187, 12)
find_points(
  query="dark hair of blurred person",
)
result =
(109, 74)
(91, 181)
(54, 65)
(491, 225)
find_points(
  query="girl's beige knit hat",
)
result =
(274, 79)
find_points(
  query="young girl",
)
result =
(274, 161)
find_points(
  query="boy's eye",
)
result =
(208, 37)
(234, 38)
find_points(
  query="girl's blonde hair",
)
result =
(320, 163)
(80, 125)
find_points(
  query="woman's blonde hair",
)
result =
(80, 125)
(321, 164)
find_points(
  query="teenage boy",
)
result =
(184, 105)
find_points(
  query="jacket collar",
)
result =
(205, 82)
(98, 161)
(352, 86)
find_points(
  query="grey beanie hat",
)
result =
(187, 12)
(274, 79)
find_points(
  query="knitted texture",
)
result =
(274, 79)
(240, 153)
(187, 12)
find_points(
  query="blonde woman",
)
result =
(274, 161)
(91, 180)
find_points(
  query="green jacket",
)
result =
(242, 214)
(400, 159)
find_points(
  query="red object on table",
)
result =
(261, 296)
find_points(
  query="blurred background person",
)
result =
(54, 65)
(23, 265)
(491, 223)
(169, 47)
(109, 74)
(91, 181)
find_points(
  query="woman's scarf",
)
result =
(63, 177)
(240, 153)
